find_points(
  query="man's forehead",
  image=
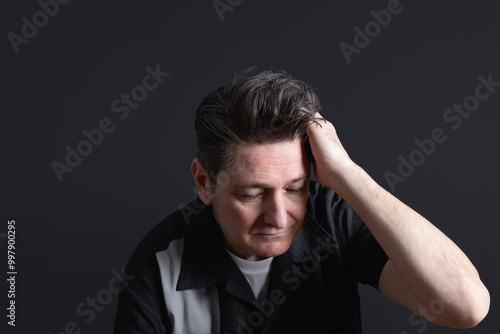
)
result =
(289, 149)
(247, 184)
(252, 162)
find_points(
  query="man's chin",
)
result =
(273, 249)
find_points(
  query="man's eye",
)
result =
(249, 197)
(295, 190)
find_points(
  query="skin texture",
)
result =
(426, 271)
(261, 207)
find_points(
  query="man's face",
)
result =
(261, 207)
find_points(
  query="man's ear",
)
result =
(202, 181)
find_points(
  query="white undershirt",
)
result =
(256, 273)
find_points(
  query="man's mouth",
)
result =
(271, 234)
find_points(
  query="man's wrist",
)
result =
(349, 180)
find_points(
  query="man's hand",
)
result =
(330, 157)
(424, 265)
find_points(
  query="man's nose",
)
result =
(275, 211)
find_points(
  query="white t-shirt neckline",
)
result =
(256, 273)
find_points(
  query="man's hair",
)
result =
(264, 108)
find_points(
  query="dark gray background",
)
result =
(71, 235)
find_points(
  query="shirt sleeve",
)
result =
(361, 252)
(367, 255)
(364, 252)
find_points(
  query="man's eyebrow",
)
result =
(263, 185)
(298, 179)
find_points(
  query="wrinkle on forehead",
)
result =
(279, 161)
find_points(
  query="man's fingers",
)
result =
(318, 119)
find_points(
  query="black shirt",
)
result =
(184, 280)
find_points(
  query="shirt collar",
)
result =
(206, 263)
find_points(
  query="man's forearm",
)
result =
(424, 265)
(430, 263)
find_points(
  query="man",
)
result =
(265, 250)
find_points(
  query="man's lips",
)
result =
(270, 234)
(275, 232)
